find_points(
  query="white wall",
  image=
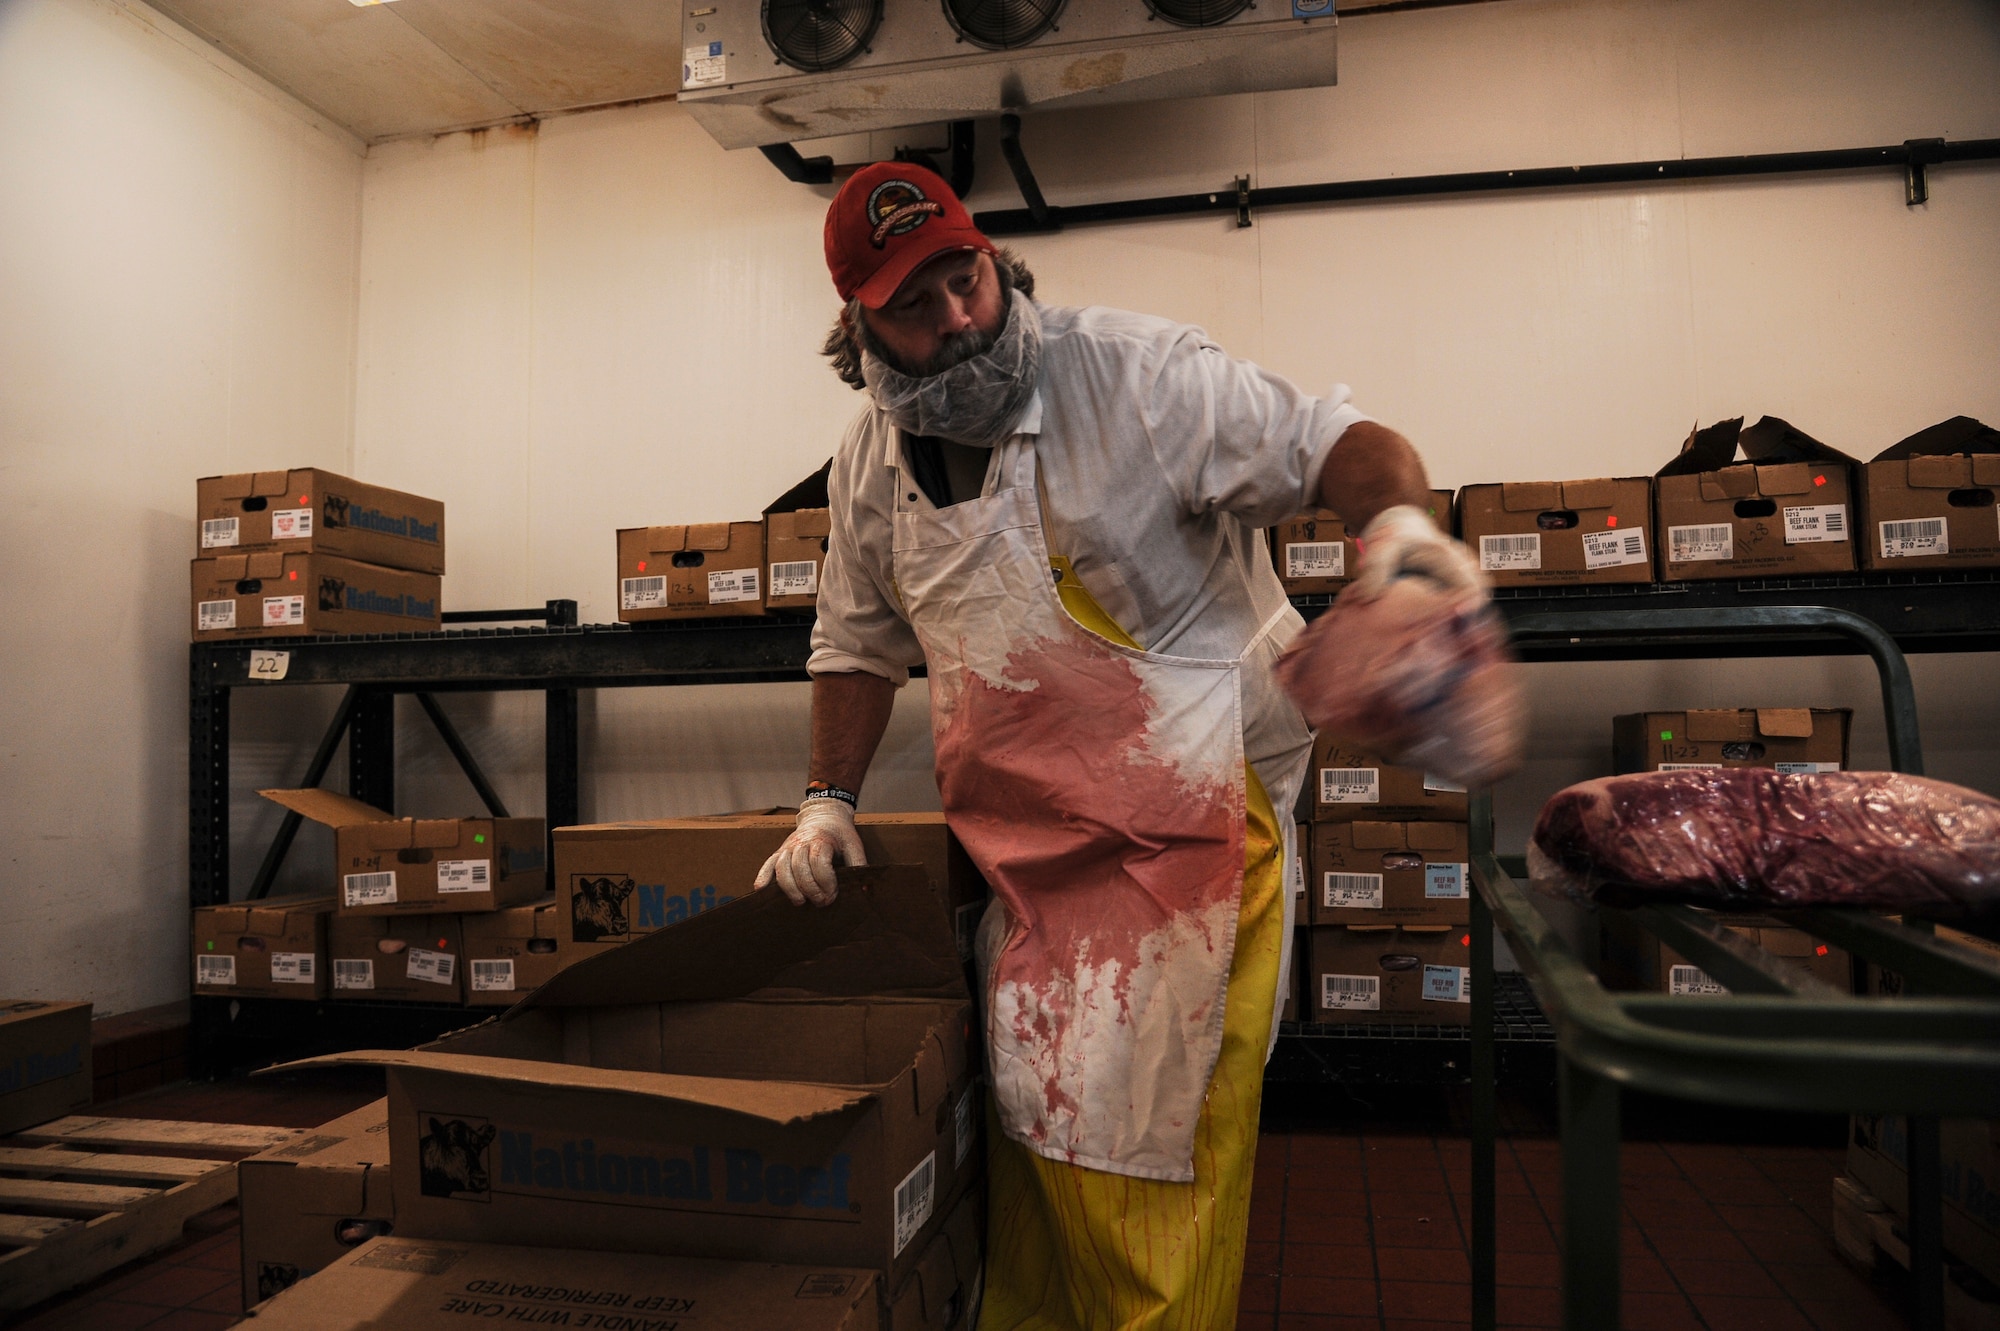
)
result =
(612, 322)
(178, 250)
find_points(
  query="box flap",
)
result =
(228, 568)
(885, 935)
(1986, 469)
(1722, 724)
(436, 833)
(1599, 492)
(236, 485)
(1945, 473)
(275, 917)
(1785, 722)
(808, 493)
(1960, 434)
(271, 483)
(328, 808)
(1729, 482)
(808, 523)
(708, 536)
(1788, 478)
(1773, 440)
(1377, 836)
(1432, 836)
(1530, 496)
(266, 564)
(1706, 450)
(338, 1190)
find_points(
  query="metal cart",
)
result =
(1780, 1040)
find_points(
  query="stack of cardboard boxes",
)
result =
(1388, 893)
(286, 554)
(726, 569)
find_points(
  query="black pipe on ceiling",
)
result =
(1912, 157)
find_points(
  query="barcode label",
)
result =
(732, 584)
(291, 524)
(1692, 980)
(1351, 891)
(214, 970)
(1444, 882)
(1446, 984)
(1683, 767)
(431, 967)
(641, 593)
(967, 1127)
(1690, 545)
(1815, 522)
(1921, 536)
(704, 66)
(1799, 769)
(218, 532)
(1610, 549)
(1350, 993)
(370, 889)
(465, 875)
(493, 977)
(1316, 559)
(915, 1197)
(1350, 785)
(211, 615)
(1498, 553)
(283, 611)
(293, 968)
(354, 974)
(800, 578)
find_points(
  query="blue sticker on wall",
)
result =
(1312, 8)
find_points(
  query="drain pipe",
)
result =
(1039, 216)
(797, 169)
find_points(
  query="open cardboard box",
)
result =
(1928, 502)
(765, 1081)
(387, 865)
(274, 948)
(1786, 510)
(694, 571)
(309, 1202)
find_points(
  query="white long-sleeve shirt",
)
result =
(1161, 457)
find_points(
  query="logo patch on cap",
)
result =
(896, 208)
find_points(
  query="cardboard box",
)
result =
(615, 881)
(510, 953)
(1385, 973)
(1391, 873)
(1301, 912)
(1632, 958)
(273, 594)
(386, 865)
(402, 959)
(310, 1202)
(1878, 1149)
(1928, 502)
(44, 1061)
(942, 1294)
(274, 948)
(797, 526)
(398, 1284)
(1315, 553)
(1788, 739)
(1786, 511)
(764, 1082)
(1351, 783)
(704, 571)
(310, 511)
(1539, 533)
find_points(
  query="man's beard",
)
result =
(973, 390)
(956, 349)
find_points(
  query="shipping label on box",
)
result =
(1350, 784)
(277, 595)
(1928, 502)
(703, 571)
(308, 1203)
(1377, 974)
(510, 953)
(385, 865)
(942, 1293)
(401, 958)
(309, 511)
(1533, 533)
(1390, 873)
(1786, 739)
(735, 1087)
(406, 1284)
(1315, 553)
(272, 948)
(1787, 509)
(44, 1061)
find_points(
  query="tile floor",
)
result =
(1357, 1223)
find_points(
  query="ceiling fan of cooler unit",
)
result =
(1002, 25)
(1197, 13)
(817, 35)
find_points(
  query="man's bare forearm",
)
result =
(850, 711)
(1370, 469)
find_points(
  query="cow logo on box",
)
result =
(332, 593)
(597, 908)
(452, 1157)
(274, 1278)
(334, 511)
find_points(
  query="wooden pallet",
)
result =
(1867, 1233)
(81, 1196)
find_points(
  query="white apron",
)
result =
(1100, 789)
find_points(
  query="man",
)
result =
(1058, 512)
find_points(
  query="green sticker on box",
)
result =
(479, 838)
(1666, 734)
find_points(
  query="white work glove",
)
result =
(803, 866)
(1403, 541)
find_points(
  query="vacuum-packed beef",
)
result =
(1751, 838)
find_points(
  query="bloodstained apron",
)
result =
(1100, 789)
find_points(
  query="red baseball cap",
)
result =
(886, 222)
